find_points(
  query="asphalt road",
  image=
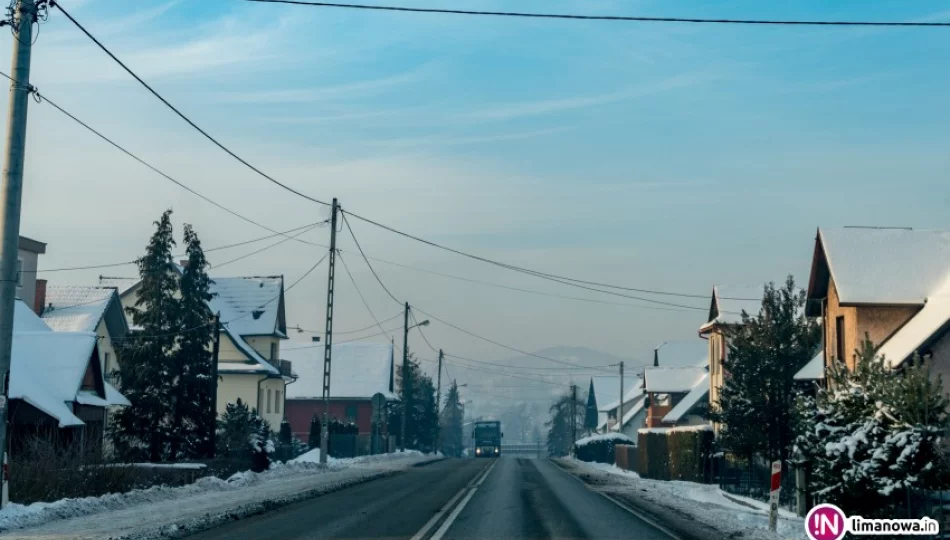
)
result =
(507, 498)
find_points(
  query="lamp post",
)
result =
(407, 388)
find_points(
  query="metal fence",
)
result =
(749, 476)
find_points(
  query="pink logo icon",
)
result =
(825, 522)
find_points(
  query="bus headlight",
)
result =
(478, 451)
(497, 450)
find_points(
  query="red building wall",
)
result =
(300, 411)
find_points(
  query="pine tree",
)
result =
(765, 351)
(147, 355)
(873, 433)
(244, 437)
(452, 420)
(560, 435)
(590, 416)
(192, 360)
(422, 420)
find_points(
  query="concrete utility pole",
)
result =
(406, 387)
(438, 402)
(328, 343)
(573, 418)
(620, 408)
(24, 15)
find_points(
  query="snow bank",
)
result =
(733, 515)
(171, 512)
(617, 438)
(676, 429)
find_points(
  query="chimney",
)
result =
(39, 301)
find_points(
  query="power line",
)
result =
(265, 248)
(182, 115)
(573, 282)
(371, 269)
(360, 293)
(335, 333)
(122, 149)
(421, 333)
(504, 374)
(616, 18)
(361, 338)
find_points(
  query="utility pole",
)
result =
(213, 416)
(438, 402)
(620, 409)
(573, 418)
(328, 343)
(24, 15)
(406, 387)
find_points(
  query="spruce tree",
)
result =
(874, 433)
(142, 429)
(765, 352)
(422, 420)
(451, 420)
(590, 414)
(560, 435)
(192, 423)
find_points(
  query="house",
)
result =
(677, 383)
(97, 310)
(253, 324)
(889, 284)
(56, 384)
(725, 309)
(358, 372)
(607, 391)
(28, 288)
(634, 411)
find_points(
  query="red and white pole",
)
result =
(776, 487)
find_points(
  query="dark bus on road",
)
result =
(487, 437)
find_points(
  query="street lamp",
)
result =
(405, 371)
(423, 323)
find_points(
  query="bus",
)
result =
(487, 437)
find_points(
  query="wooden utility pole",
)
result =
(328, 336)
(23, 13)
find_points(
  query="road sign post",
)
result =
(775, 488)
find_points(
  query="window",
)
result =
(351, 413)
(277, 401)
(105, 363)
(19, 272)
(273, 351)
(268, 400)
(839, 337)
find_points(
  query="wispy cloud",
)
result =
(549, 106)
(465, 140)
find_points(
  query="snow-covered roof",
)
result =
(73, 308)
(672, 380)
(114, 397)
(249, 305)
(121, 284)
(616, 438)
(24, 320)
(690, 400)
(635, 391)
(607, 387)
(728, 302)
(628, 415)
(48, 368)
(814, 370)
(675, 429)
(358, 370)
(692, 353)
(918, 331)
(880, 265)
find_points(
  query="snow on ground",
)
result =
(733, 515)
(617, 438)
(172, 512)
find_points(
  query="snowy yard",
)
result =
(170, 512)
(686, 502)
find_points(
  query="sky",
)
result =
(658, 156)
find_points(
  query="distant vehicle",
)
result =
(487, 437)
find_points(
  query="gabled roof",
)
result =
(24, 320)
(881, 266)
(635, 391)
(672, 380)
(695, 396)
(72, 308)
(814, 370)
(630, 413)
(727, 304)
(357, 371)
(252, 306)
(692, 353)
(931, 322)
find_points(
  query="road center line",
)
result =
(461, 506)
(438, 515)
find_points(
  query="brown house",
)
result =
(891, 284)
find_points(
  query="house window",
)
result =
(351, 413)
(839, 337)
(277, 401)
(19, 272)
(268, 401)
(273, 351)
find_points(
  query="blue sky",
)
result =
(654, 155)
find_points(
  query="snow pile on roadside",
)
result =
(616, 438)
(734, 515)
(161, 512)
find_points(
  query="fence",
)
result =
(347, 446)
(750, 477)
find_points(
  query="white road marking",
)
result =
(640, 515)
(451, 519)
(474, 483)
